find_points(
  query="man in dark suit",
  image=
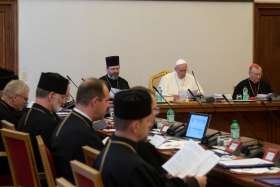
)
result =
(76, 130)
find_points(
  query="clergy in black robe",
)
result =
(254, 83)
(112, 78)
(12, 102)
(9, 113)
(76, 130)
(41, 118)
(119, 163)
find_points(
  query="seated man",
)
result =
(76, 130)
(178, 81)
(254, 83)
(41, 118)
(13, 101)
(113, 81)
(119, 163)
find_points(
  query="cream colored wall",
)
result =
(73, 37)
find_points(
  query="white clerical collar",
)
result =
(82, 113)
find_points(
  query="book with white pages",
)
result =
(191, 160)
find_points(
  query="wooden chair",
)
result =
(5, 179)
(154, 79)
(47, 161)
(90, 155)
(7, 125)
(62, 182)
(85, 176)
(21, 158)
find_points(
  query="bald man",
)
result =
(253, 83)
(178, 81)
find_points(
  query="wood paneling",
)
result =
(267, 41)
(8, 35)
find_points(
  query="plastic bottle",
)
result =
(245, 94)
(234, 130)
(170, 115)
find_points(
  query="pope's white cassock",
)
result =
(172, 85)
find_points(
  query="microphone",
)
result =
(192, 94)
(162, 97)
(71, 81)
(226, 99)
(197, 84)
(195, 97)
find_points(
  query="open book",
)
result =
(191, 160)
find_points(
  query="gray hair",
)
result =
(14, 88)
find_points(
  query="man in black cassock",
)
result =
(76, 129)
(112, 79)
(254, 83)
(119, 162)
(41, 118)
(13, 101)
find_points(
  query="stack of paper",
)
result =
(246, 163)
(191, 160)
(161, 142)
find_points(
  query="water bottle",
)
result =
(158, 96)
(245, 94)
(170, 115)
(234, 130)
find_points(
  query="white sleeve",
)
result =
(163, 85)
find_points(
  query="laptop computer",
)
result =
(197, 126)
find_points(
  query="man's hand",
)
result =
(202, 181)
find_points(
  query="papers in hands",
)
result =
(191, 160)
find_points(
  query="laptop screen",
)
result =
(197, 126)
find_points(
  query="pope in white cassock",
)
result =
(179, 81)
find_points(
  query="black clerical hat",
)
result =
(53, 82)
(132, 104)
(5, 77)
(112, 61)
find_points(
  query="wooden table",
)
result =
(219, 176)
(259, 120)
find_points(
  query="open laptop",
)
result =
(197, 126)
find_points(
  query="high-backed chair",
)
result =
(47, 161)
(62, 182)
(90, 154)
(154, 79)
(85, 176)
(21, 158)
(7, 125)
